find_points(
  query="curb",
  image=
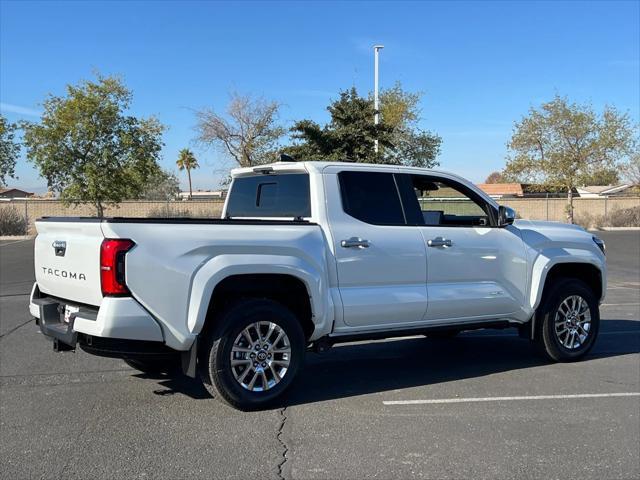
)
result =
(17, 237)
(617, 229)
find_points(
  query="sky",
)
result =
(479, 65)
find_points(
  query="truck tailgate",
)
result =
(67, 260)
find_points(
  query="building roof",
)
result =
(603, 189)
(22, 193)
(204, 194)
(502, 189)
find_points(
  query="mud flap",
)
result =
(189, 360)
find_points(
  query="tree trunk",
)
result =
(570, 205)
(190, 190)
(99, 209)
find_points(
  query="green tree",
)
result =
(351, 133)
(187, 161)
(162, 185)
(9, 150)
(349, 136)
(89, 150)
(411, 146)
(561, 143)
(248, 133)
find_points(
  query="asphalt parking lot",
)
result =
(408, 408)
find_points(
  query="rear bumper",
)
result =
(51, 324)
(118, 318)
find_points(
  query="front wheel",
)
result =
(568, 321)
(253, 355)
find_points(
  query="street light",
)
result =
(376, 118)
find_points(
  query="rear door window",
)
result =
(285, 195)
(371, 197)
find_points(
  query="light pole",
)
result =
(376, 118)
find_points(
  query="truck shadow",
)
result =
(373, 367)
(360, 369)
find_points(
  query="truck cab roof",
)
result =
(318, 167)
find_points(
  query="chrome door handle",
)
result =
(439, 242)
(355, 242)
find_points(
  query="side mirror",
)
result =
(506, 216)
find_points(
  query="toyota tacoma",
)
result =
(307, 255)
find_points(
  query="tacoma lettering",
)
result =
(63, 273)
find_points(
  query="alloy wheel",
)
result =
(260, 356)
(573, 322)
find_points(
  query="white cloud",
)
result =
(19, 110)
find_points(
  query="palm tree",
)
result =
(187, 161)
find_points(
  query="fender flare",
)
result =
(547, 259)
(214, 271)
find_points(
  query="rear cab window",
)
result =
(273, 196)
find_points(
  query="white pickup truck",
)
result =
(307, 255)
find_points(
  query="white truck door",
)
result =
(381, 262)
(475, 270)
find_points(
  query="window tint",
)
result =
(371, 197)
(285, 195)
(446, 203)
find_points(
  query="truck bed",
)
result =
(168, 270)
(178, 220)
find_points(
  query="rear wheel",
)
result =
(567, 321)
(251, 359)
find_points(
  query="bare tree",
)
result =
(631, 169)
(248, 132)
(494, 177)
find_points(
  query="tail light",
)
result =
(112, 256)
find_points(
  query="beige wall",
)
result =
(532, 208)
(35, 209)
(554, 209)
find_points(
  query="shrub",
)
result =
(624, 217)
(12, 222)
(174, 211)
(588, 221)
(206, 213)
(168, 212)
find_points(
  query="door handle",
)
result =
(439, 242)
(355, 242)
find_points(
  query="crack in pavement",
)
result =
(16, 328)
(285, 448)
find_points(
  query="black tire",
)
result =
(442, 334)
(547, 341)
(215, 361)
(155, 366)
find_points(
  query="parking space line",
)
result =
(471, 334)
(620, 332)
(14, 242)
(510, 399)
